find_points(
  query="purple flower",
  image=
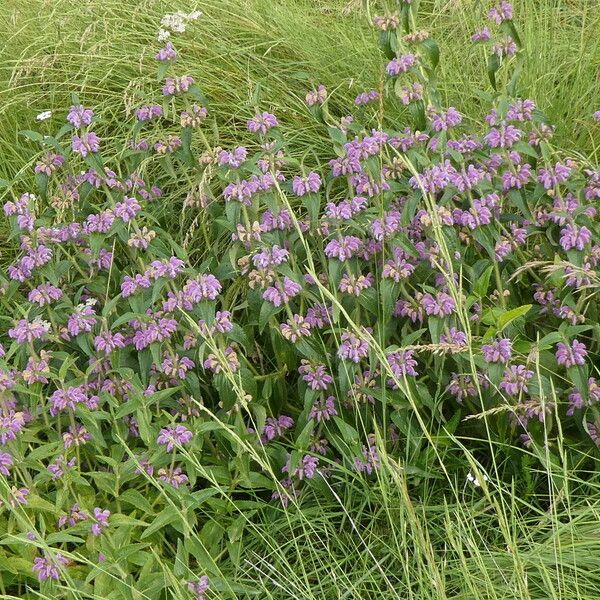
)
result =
(515, 379)
(177, 85)
(203, 287)
(503, 137)
(304, 185)
(76, 435)
(352, 347)
(353, 285)
(411, 93)
(175, 477)
(318, 316)
(67, 398)
(99, 223)
(369, 461)
(76, 515)
(275, 427)
(593, 429)
(445, 120)
(506, 47)
(569, 356)
(79, 116)
(344, 248)
(500, 13)
(516, 179)
(44, 293)
(576, 237)
(57, 468)
(172, 143)
(295, 328)
(399, 267)
(366, 97)
(261, 123)
(481, 35)
(241, 191)
(213, 363)
(323, 409)
(281, 293)
(49, 164)
(306, 469)
(521, 110)
(401, 64)
(10, 426)
(6, 461)
(176, 366)
(498, 351)
(199, 587)
(387, 227)
(82, 320)
(554, 176)
(17, 496)
(127, 209)
(86, 143)
(27, 331)
(596, 115)
(455, 338)
(315, 376)
(149, 112)
(317, 96)
(577, 401)
(440, 306)
(49, 568)
(402, 364)
(462, 386)
(101, 523)
(107, 342)
(270, 257)
(152, 331)
(194, 116)
(166, 54)
(233, 159)
(174, 434)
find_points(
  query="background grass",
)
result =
(365, 540)
(273, 51)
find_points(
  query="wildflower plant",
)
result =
(426, 273)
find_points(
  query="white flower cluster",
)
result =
(44, 115)
(176, 23)
(472, 479)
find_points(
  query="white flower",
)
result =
(44, 115)
(471, 478)
(163, 35)
(176, 23)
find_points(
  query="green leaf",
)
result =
(136, 499)
(349, 434)
(433, 52)
(492, 68)
(34, 136)
(509, 316)
(267, 311)
(482, 284)
(337, 135)
(167, 516)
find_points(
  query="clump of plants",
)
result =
(431, 282)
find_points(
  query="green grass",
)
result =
(244, 50)
(375, 539)
(364, 540)
(277, 50)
